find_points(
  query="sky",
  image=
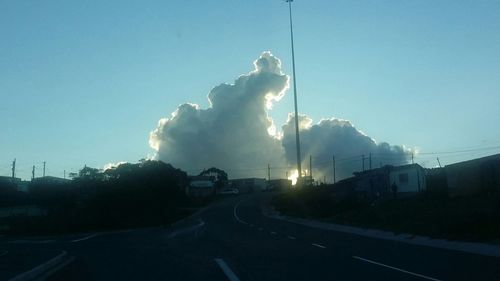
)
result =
(86, 82)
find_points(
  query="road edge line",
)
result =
(397, 269)
(235, 212)
(40, 269)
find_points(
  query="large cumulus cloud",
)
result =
(236, 134)
(339, 138)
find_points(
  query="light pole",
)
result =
(297, 138)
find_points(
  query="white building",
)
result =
(200, 186)
(408, 178)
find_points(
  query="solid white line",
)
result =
(36, 271)
(291, 237)
(229, 273)
(85, 238)
(395, 268)
(273, 233)
(318, 245)
(236, 215)
(4, 253)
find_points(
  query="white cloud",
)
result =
(236, 134)
(233, 133)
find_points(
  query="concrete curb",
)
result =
(468, 247)
(43, 268)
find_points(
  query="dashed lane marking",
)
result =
(291, 237)
(318, 245)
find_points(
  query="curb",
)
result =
(467, 247)
(45, 269)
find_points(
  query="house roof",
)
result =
(402, 167)
(477, 160)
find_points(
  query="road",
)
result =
(232, 240)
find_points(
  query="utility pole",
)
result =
(334, 176)
(310, 166)
(33, 173)
(297, 138)
(44, 168)
(439, 162)
(363, 160)
(14, 168)
(268, 172)
(412, 158)
(370, 160)
(286, 174)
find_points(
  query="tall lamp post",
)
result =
(297, 138)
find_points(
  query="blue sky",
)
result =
(84, 82)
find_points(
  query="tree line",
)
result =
(129, 195)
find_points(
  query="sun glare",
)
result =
(294, 174)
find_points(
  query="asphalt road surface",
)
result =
(232, 240)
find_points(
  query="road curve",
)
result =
(232, 240)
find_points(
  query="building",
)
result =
(480, 175)
(15, 183)
(377, 183)
(201, 186)
(51, 180)
(279, 184)
(247, 185)
(372, 184)
(408, 178)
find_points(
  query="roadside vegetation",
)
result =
(471, 218)
(149, 193)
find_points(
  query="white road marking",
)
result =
(236, 215)
(4, 253)
(36, 272)
(318, 245)
(273, 233)
(85, 238)
(395, 268)
(188, 229)
(229, 273)
(291, 237)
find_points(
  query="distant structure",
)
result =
(474, 176)
(201, 186)
(387, 181)
(16, 183)
(247, 185)
(51, 180)
(279, 184)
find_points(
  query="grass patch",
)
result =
(473, 218)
